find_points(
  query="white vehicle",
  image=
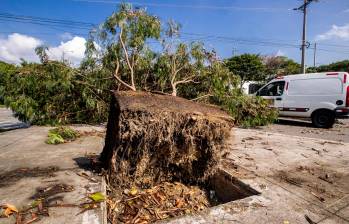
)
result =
(319, 96)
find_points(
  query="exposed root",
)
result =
(156, 138)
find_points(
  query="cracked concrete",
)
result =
(26, 148)
(287, 170)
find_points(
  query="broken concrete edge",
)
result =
(249, 195)
(97, 216)
(104, 210)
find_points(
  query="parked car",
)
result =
(322, 97)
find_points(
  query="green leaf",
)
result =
(54, 139)
(97, 197)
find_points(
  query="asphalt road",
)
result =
(340, 131)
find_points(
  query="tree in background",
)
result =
(340, 66)
(249, 67)
(6, 71)
(280, 65)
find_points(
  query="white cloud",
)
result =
(280, 53)
(336, 32)
(66, 36)
(72, 50)
(17, 46)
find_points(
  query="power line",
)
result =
(46, 21)
(210, 7)
(42, 19)
(59, 23)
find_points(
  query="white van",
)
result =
(319, 96)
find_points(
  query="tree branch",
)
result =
(128, 62)
(119, 79)
(189, 79)
(200, 97)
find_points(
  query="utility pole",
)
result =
(303, 8)
(234, 51)
(315, 54)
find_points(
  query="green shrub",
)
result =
(250, 111)
(61, 135)
(54, 93)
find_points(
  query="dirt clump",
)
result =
(154, 138)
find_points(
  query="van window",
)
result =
(323, 86)
(272, 89)
(254, 87)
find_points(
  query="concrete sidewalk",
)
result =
(297, 177)
(26, 148)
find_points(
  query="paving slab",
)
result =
(296, 176)
(26, 149)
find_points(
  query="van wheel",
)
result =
(323, 119)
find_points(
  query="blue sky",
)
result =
(253, 26)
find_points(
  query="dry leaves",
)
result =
(160, 202)
(8, 210)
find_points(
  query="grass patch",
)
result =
(61, 135)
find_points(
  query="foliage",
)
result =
(6, 71)
(219, 86)
(41, 51)
(184, 64)
(122, 42)
(340, 66)
(249, 67)
(250, 111)
(118, 57)
(52, 93)
(281, 65)
(61, 134)
(54, 139)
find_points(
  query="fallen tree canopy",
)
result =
(156, 138)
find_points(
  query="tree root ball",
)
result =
(154, 138)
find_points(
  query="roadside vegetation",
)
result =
(120, 55)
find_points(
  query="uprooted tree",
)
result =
(53, 92)
(122, 40)
(155, 138)
(179, 63)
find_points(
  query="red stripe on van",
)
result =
(347, 100)
(286, 86)
(345, 78)
(332, 73)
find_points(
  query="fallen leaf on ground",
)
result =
(9, 209)
(133, 191)
(97, 197)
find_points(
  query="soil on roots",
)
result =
(154, 138)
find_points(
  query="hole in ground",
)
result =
(173, 200)
(223, 188)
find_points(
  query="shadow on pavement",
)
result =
(8, 126)
(297, 123)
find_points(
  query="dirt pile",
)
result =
(155, 138)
